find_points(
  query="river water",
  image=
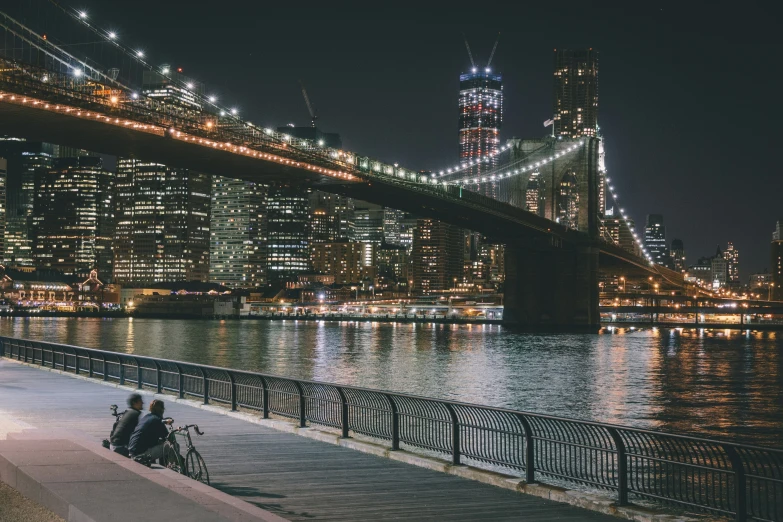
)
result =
(715, 383)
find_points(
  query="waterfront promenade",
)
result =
(295, 477)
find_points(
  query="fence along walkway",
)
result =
(740, 481)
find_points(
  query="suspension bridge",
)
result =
(90, 95)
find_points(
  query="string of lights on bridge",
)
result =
(512, 172)
(627, 221)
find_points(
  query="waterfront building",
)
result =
(72, 225)
(407, 228)
(438, 257)
(731, 255)
(576, 92)
(161, 223)
(238, 235)
(392, 262)
(678, 255)
(760, 284)
(24, 159)
(480, 120)
(332, 217)
(288, 232)
(655, 239)
(719, 270)
(392, 225)
(344, 261)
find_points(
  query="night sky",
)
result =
(689, 97)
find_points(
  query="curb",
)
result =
(587, 500)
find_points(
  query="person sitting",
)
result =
(148, 437)
(121, 434)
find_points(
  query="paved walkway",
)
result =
(295, 477)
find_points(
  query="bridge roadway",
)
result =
(295, 477)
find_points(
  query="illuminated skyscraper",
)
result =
(532, 193)
(480, 119)
(237, 246)
(288, 230)
(71, 224)
(25, 159)
(437, 256)
(731, 255)
(162, 223)
(678, 255)
(655, 239)
(576, 92)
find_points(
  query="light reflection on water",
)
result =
(717, 383)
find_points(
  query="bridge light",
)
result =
(77, 72)
(112, 35)
(189, 85)
(234, 112)
(222, 113)
(320, 143)
(165, 70)
(114, 99)
(44, 78)
(140, 54)
(82, 15)
(212, 99)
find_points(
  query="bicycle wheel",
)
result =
(173, 458)
(195, 467)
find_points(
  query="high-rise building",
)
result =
(678, 255)
(619, 232)
(161, 223)
(3, 178)
(288, 232)
(67, 218)
(392, 225)
(407, 228)
(480, 119)
(368, 227)
(655, 239)
(568, 201)
(719, 270)
(576, 92)
(532, 193)
(343, 260)
(332, 217)
(437, 256)
(25, 159)
(731, 255)
(238, 235)
(776, 259)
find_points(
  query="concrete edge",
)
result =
(586, 500)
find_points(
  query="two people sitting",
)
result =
(134, 438)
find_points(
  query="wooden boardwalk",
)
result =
(296, 477)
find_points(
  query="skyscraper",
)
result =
(655, 239)
(480, 119)
(776, 260)
(368, 228)
(678, 255)
(67, 215)
(437, 256)
(288, 230)
(25, 159)
(576, 92)
(162, 223)
(568, 201)
(731, 255)
(620, 232)
(237, 250)
(532, 193)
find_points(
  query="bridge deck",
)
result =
(295, 477)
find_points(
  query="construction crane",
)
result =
(313, 115)
(470, 54)
(492, 54)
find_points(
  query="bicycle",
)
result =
(192, 465)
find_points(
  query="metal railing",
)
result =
(740, 481)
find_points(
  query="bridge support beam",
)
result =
(552, 289)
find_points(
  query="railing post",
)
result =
(344, 413)
(54, 362)
(455, 456)
(43, 361)
(76, 361)
(233, 391)
(395, 424)
(181, 382)
(139, 379)
(205, 384)
(302, 416)
(265, 398)
(24, 357)
(740, 486)
(122, 371)
(89, 362)
(158, 377)
(105, 367)
(530, 451)
(622, 467)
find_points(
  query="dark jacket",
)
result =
(147, 434)
(124, 428)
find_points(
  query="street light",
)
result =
(769, 294)
(622, 280)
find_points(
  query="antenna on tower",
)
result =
(492, 54)
(467, 46)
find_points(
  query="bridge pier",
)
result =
(552, 289)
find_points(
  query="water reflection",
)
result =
(718, 383)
